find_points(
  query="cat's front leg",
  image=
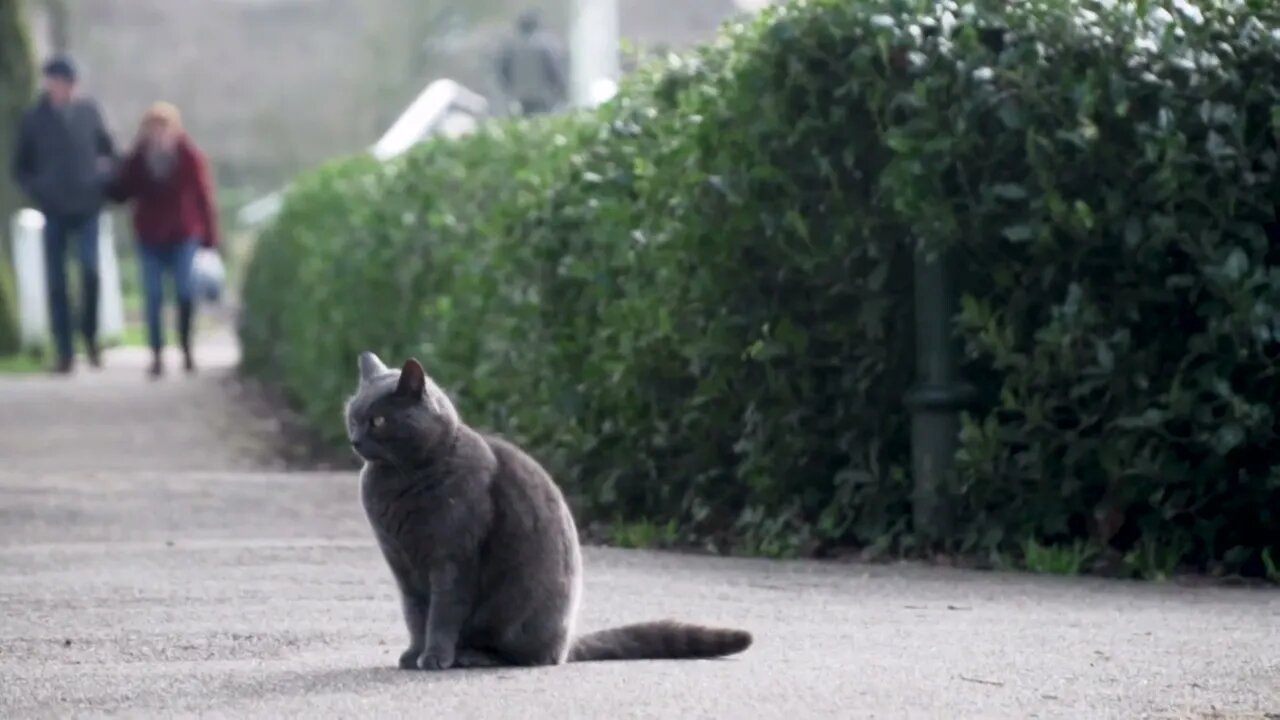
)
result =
(415, 620)
(414, 601)
(452, 601)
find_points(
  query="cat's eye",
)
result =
(378, 421)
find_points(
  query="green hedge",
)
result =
(695, 302)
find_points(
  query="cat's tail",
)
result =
(661, 640)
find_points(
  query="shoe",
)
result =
(188, 364)
(95, 356)
(64, 366)
(156, 370)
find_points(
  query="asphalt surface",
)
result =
(151, 565)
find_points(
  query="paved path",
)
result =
(150, 568)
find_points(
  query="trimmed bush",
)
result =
(694, 303)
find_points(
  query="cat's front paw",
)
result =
(436, 660)
(409, 658)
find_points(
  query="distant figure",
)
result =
(530, 69)
(174, 214)
(63, 161)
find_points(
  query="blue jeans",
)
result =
(59, 232)
(176, 259)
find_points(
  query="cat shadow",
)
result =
(389, 676)
(303, 683)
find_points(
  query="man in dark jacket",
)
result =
(63, 161)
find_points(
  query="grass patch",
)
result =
(1271, 566)
(1154, 559)
(643, 534)
(21, 364)
(133, 335)
(30, 361)
(1057, 560)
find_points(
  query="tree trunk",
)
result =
(59, 25)
(17, 85)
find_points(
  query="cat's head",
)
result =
(399, 417)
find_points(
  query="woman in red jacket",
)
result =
(168, 179)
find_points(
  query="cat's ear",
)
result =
(370, 366)
(413, 379)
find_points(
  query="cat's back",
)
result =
(527, 500)
(520, 472)
(532, 550)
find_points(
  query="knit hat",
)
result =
(60, 66)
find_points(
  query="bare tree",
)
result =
(59, 15)
(17, 80)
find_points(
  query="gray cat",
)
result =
(480, 540)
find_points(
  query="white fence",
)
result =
(443, 108)
(33, 300)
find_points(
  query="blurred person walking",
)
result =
(530, 70)
(63, 162)
(168, 180)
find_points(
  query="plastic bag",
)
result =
(208, 274)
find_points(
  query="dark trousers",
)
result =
(534, 107)
(80, 232)
(176, 260)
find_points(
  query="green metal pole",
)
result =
(937, 398)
